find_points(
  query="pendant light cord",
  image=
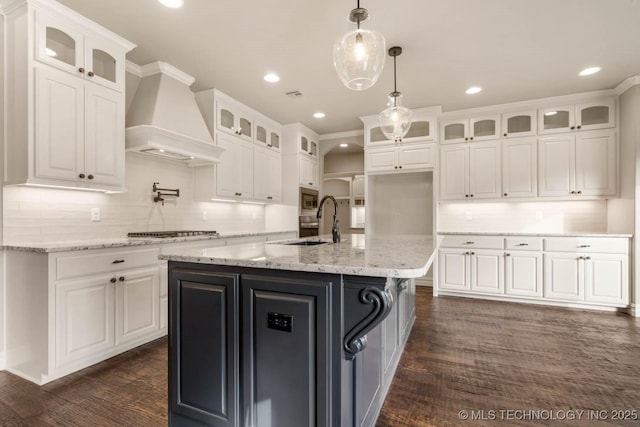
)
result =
(358, 4)
(395, 89)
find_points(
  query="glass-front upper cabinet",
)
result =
(522, 123)
(469, 130)
(307, 145)
(62, 45)
(455, 131)
(596, 114)
(274, 140)
(421, 129)
(268, 133)
(232, 119)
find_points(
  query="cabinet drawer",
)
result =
(587, 244)
(471, 241)
(83, 264)
(523, 243)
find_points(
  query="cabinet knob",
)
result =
(579, 192)
(269, 198)
(400, 167)
(269, 145)
(579, 126)
(505, 194)
(471, 138)
(504, 134)
(81, 176)
(572, 127)
(90, 176)
(113, 280)
(587, 258)
(311, 183)
(90, 74)
(466, 253)
(580, 257)
(81, 70)
(466, 139)
(121, 278)
(470, 195)
(466, 195)
(395, 167)
(473, 253)
(507, 254)
(573, 192)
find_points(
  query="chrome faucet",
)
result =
(335, 230)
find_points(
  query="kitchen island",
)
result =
(287, 335)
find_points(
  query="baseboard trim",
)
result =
(424, 281)
(634, 310)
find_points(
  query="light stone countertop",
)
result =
(81, 245)
(404, 256)
(482, 233)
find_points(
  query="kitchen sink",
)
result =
(306, 242)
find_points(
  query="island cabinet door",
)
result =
(286, 325)
(203, 346)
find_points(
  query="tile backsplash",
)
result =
(42, 214)
(530, 217)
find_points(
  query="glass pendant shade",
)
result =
(395, 120)
(358, 58)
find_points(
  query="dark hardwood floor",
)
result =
(463, 355)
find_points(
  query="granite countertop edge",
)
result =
(48, 247)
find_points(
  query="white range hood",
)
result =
(164, 119)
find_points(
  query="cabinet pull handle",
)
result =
(573, 192)
(269, 198)
(579, 126)
(469, 243)
(473, 253)
(118, 261)
(505, 194)
(121, 278)
(507, 254)
(90, 176)
(113, 280)
(584, 246)
(572, 127)
(587, 258)
(579, 192)
(580, 257)
(504, 134)
(81, 70)
(522, 244)
(90, 74)
(81, 176)
(311, 183)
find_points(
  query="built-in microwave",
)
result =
(308, 199)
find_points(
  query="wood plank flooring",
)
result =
(463, 355)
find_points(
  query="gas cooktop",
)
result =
(167, 234)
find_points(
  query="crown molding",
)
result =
(627, 84)
(160, 67)
(346, 134)
(133, 68)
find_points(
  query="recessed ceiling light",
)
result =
(271, 78)
(161, 150)
(173, 4)
(319, 115)
(589, 71)
(50, 52)
(550, 113)
(473, 90)
(344, 145)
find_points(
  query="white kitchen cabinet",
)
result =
(523, 273)
(563, 276)
(69, 131)
(307, 145)
(357, 187)
(519, 124)
(234, 173)
(470, 171)
(520, 168)
(589, 115)
(423, 129)
(308, 172)
(578, 165)
(232, 117)
(72, 309)
(267, 182)
(268, 133)
(470, 130)
(606, 278)
(62, 43)
(454, 271)
(487, 271)
(400, 158)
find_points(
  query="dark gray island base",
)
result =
(273, 348)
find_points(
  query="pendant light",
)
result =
(395, 120)
(359, 55)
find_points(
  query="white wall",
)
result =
(43, 215)
(531, 217)
(337, 162)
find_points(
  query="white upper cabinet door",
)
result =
(563, 277)
(454, 131)
(519, 124)
(267, 133)
(59, 125)
(60, 44)
(556, 119)
(266, 180)
(416, 156)
(381, 159)
(596, 163)
(104, 63)
(607, 279)
(487, 271)
(556, 168)
(421, 130)
(454, 270)
(104, 136)
(308, 172)
(484, 171)
(483, 128)
(519, 168)
(274, 170)
(233, 119)
(523, 274)
(225, 175)
(243, 164)
(454, 172)
(597, 114)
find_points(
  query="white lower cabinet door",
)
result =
(84, 319)
(563, 277)
(487, 271)
(137, 310)
(523, 274)
(606, 279)
(454, 270)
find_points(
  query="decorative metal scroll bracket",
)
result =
(402, 284)
(356, 339)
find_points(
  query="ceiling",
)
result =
(514, 49)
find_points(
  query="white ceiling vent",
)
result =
(294, 94)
